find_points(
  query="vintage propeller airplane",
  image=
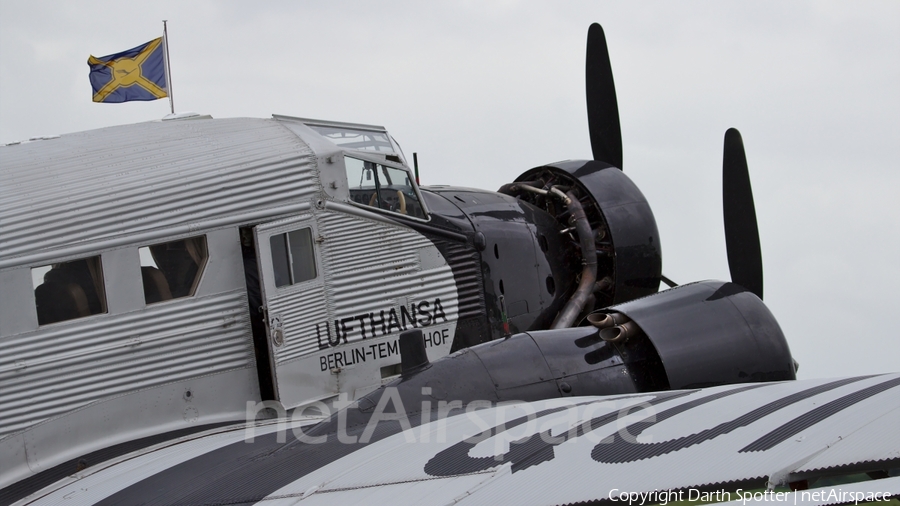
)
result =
(172, 288)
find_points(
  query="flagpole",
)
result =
(168, 68)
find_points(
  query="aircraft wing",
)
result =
(835, 440)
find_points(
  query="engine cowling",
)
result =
(712, 333)
(629, 256)
(698, 335)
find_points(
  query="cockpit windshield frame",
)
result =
(382, 171)
(353, 136)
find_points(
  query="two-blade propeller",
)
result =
(741, 230)
(602, 107)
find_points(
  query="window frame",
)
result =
(98, 284)
(290, 257)
(391, 165)
(198, 277)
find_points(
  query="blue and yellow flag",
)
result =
(136, 74)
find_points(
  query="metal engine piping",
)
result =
(574, 306)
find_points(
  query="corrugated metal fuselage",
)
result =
(140, 367)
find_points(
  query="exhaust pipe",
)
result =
(619, 333)
(577, 302)
(604, 320)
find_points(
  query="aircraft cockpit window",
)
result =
(69, 290)
(172, 270)
(352, 138)
(293, 257)
(388, 188)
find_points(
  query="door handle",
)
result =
(276, 328)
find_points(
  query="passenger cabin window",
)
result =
(69, 290)
(388, 188)
(293, 257)
(172, 270)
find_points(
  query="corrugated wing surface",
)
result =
(705, 438)
(49, 376)
(112, 182)
(559, 451)
(101, 480)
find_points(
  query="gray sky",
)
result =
(485, 91)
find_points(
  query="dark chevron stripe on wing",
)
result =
(815, 416)
(619, 450)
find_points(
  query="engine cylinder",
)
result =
(620, 216)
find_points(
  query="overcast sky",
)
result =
(484, 91)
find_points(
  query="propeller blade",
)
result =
(602, 108)
(741, 230)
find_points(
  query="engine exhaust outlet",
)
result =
(604, 320)
(619, 333)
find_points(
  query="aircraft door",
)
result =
(292, 272)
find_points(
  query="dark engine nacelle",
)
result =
(629, 258)
(698, 335)
(711, 333)
(545, 251)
